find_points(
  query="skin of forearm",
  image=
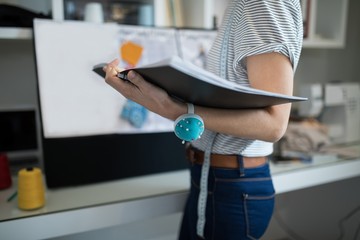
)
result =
(266, 124)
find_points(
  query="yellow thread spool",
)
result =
(31, 193)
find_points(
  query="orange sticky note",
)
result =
(131, 52)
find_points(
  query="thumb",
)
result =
(135, 78)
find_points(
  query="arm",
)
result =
(270, 72)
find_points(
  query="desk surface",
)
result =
(133, 199)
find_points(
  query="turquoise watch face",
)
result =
(189, 127)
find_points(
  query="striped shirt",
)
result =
(251, 27)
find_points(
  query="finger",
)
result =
(113, 63)
(138, 81)
(110, 71)
(136, 78)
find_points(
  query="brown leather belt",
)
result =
(223, 161)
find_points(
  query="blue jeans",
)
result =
(239, 206)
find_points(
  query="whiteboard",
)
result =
(74, 101)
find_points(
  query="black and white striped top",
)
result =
(252, 27)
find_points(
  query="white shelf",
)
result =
(323, 43)
(326, 23)
(328, 19)
(15, 33)
(140, 198)
(302, 176)
(19, 33)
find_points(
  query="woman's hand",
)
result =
(142, 92)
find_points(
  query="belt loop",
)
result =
(241, 165)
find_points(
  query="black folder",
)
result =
(189, 83)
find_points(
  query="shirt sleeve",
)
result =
(266, 26)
